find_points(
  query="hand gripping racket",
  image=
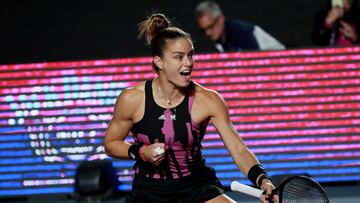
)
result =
(296, 189)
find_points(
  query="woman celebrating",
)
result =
(167, 117)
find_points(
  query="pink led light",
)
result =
(293, 100)
(293, 126)
(62, 112)
(80, 126)
(291, 93)
(270, 94)
(64, 80)
(257, 63)
(108, 62)
(76, 71)
(267, 54)
(319, 148)
(300, 132)
(302, 141)
(326, 156)
(290, 77)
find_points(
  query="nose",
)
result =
(189, 61)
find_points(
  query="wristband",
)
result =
(254, 173)
(133, 151)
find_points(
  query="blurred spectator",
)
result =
(230, 34)
(338, 24)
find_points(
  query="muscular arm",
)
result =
(242, 156)
(120, 125)
(220, 118)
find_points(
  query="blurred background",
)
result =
(63, 64)
(36, 31)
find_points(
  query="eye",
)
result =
(179, 58)
(190, 56)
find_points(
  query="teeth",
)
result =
(185, 73)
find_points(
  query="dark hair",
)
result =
(157, 30)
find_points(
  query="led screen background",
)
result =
(297, 110)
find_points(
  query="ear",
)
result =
(158, 62)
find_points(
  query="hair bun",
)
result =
(158, 22)
(154, 24)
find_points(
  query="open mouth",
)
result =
(185, 73)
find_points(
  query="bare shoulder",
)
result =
(131, 98)
(133, 93)
(207, 103)
(206, 95)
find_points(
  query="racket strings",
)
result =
(301, 191)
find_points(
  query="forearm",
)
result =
(243, 158)
(117, 149)
(249, 165)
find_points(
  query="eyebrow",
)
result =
(178, 52)
(183, 53)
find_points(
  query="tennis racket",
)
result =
(296, 189)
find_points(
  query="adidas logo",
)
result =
(172, 116)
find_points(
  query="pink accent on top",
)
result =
(168, 128)
(143, 138)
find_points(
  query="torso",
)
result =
(177, 129)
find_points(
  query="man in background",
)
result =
(230, 34)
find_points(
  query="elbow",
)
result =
(115, 149)
(107, 149)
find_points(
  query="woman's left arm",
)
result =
(242, 156)
(220, 118)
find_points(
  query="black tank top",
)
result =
(174, 127)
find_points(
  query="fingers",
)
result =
(158, 160)
(276, 199)
(269, 194)
(155, 153)
(346, 26)
(347, 30)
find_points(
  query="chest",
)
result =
(173, 126)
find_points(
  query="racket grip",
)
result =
(239, 187)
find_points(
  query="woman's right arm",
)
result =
(121, 124)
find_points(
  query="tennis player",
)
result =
(168, 116)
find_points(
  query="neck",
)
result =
(171, 96)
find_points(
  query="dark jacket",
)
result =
(241, 35)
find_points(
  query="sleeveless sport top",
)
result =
(174, 127)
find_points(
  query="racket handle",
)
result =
(239, 187)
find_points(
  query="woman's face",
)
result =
(177, 62)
